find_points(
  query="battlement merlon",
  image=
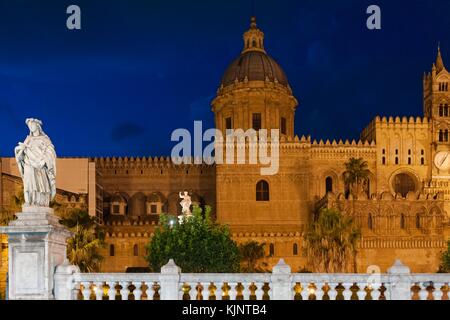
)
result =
(378, 123)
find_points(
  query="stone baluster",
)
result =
(423, 292)
(246, 290)
(76, 290)
(98, 290)
(375, 293)
(218, 293)
(193, 291)
(151, 291)
(137, 292)
(205, 290)
(112, 290)
(332, 293)
(181, 291)
(437, 293)
(232, 292)
(259, 291)
(347, 293)
(319, 291)
(305, 291)
(124, 292)
(361, 293)
(86, 290)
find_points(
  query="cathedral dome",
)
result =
(254, 64)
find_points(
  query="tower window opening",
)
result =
(384, 151)
(446, 111)
(422, 161)
(256, 121)
(396, 160)
(383, 160)
(295, 249)
(396, 151)
(328, 184)
(370, 222)
(441, 136)
(228, 123)
(272, 249)
(409, 151)
(111, 250)
(441, 110)
(283, 125)
(446, 135)
(402, 221)
(417, 221)
(409, 160)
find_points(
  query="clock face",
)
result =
(442, 160)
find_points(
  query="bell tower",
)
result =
(436, 105)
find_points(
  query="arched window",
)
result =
(441, 110)
(441, 136)
(135, 250)
(262, 191)
(328, 184)
(403, 183)
(383, 160)
(111, 250)
(271, 249)
(422, 161)
(417, 221)
(446, 111)
(396, 160)
(402, 221)
(446, 135)
(370, 222)
(295, 249)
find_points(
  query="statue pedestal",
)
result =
(37, 244)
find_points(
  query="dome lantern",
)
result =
(253, 38)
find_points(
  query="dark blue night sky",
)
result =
(139, 69)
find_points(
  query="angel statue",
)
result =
(185, 203)
(36, 159)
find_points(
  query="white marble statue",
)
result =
(36, 159)
(185, 203)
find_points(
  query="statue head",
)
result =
(185, 193)
(35, 126)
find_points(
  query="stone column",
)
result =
(400, 281)
(170, 281)
(37, 244)
(280, 281)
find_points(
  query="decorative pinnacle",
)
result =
(253, 23)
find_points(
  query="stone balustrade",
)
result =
(281, 284)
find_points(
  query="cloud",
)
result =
(126, 130)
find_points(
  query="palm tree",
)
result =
(330, 242)
(251, 252)
(356, 174)
(15, 205)
(83, 247)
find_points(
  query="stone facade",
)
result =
(403, 210)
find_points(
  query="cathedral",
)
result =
(403, 209)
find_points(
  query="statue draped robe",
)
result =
(36, 159)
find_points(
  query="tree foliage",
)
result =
(196, 245)
(251, 252)
(83, 249)
(330, 242)
(445, 260)
(356, 175)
